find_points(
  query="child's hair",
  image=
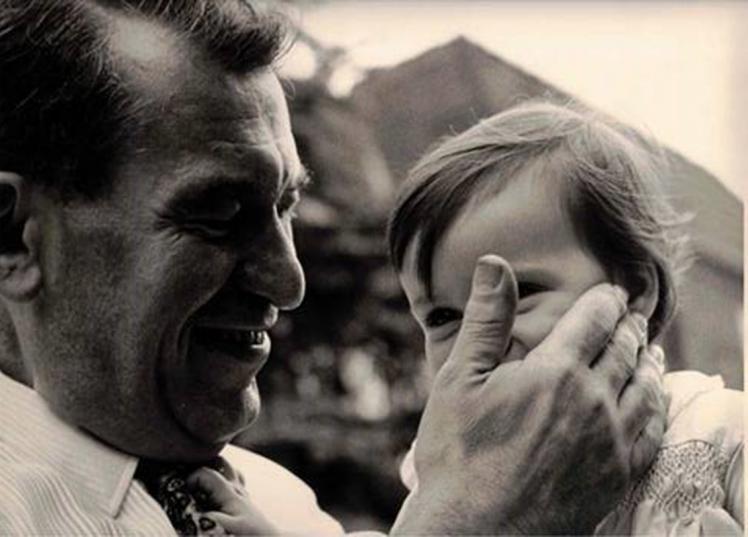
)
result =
(611, 175)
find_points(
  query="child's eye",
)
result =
(526, 289)
(441, 316)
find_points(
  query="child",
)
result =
(569, 200)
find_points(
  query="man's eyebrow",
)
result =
(198, 190)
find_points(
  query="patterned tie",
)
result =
(167, 483)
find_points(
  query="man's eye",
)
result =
(441, 316)
(526, 289)
(214, 221)
(210, 228)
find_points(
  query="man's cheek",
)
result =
(192, 273)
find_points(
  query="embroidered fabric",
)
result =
(683, 480)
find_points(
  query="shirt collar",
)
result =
(35, 434)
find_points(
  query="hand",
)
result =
(233, 510)
(543, 445)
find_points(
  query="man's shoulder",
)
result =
(283, 497)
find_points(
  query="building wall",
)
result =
(708, 331)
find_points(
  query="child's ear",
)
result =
(643, 286)
(20, 273)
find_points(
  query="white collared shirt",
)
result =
(57, 480)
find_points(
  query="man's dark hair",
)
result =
(63, 112)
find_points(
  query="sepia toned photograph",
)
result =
(318, 267)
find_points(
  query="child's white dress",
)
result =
(695, 485)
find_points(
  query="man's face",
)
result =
(152, 327)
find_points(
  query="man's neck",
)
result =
(12, 363)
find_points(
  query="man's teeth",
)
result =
(250, 337)
(256, 338)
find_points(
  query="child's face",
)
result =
(526, 225)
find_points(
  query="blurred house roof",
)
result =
(449, 88)
(443, 91)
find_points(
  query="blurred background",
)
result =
(370, 86)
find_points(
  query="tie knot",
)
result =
(167, 483)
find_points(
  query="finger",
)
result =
(488, 318)
(219, 490)
(618, 361)
(223, 467)
(643, 398)
(210, 523)
(584, 330)
(646, 446)
(249, 522)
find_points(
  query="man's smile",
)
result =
(244, 344)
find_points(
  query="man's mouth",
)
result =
(242, 344)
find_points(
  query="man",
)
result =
(147, 180)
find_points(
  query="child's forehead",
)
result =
(535, 191)
(528, 215)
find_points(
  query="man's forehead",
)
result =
(197, 118)
(173, 71)
(145, 51)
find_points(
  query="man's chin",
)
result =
(213, 419)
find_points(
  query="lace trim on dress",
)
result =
(683, 480)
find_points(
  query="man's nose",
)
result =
(271, 268)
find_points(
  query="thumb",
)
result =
(488, 318)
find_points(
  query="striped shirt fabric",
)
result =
(57, 480)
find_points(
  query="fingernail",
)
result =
(488, 274)
(621, 294)
(655, 354)
(641, 324)
(658, 354)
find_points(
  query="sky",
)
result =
(677, 70)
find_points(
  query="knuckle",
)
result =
(605, 316)
(565, 372)
(597, 398)
(590, 393)
(485, 331)
(649, 390)
(447, 375)
(652, 396)
(624, 343)
(594, 337)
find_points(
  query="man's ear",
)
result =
(20, 273)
